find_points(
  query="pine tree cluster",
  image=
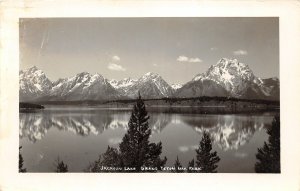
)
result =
(269, 155)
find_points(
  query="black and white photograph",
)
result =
(149, 94)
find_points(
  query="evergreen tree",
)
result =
(269, 155)
(111, 158)
(191, 166)
(178, 166)
(60, 166)
(21, 161)
(206, 160)
(95, 166)
(135, 149)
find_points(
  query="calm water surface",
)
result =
(79, 135)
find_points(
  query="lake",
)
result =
(77, 135)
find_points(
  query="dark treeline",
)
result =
(202, 99)
(24, 105)
(203, 105)
(166, 100)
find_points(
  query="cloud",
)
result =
(195, 60)
(213, 48)
(155, 65)
(182, 59)
(240, 52)
(116, 67)
(116, 58)
(186, 59)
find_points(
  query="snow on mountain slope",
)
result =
(229, 78)
(230, 74)
(176, 86)
(83, 86)
(33, 84)
(270, 87)
(123, 86)
(150, 85)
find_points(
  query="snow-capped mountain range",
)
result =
(227, 78)
(150, 85)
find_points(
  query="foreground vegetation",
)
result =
(268, 157)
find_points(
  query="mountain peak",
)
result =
(83, 74)
(234, 76)
(228, 60)
(149, 75)
(32, 69)
(230, 68)
(231, 63)
(97, 75)
(33, 83)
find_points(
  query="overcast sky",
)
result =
(175, 48)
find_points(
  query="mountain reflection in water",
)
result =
(229, 132)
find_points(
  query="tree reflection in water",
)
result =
(227, 131)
